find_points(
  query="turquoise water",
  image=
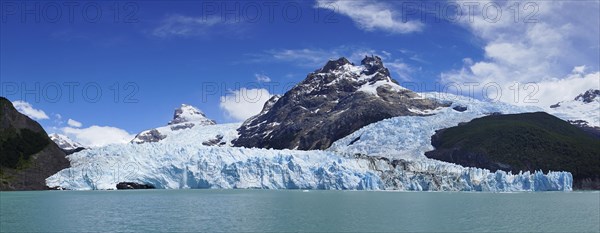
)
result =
(286, 210)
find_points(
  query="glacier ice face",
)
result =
(182, 162)
(196, 166)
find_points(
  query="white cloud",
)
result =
(543, 53)
(371, 16)
(58, 119)
(74, 123)
(177, 25)
(302, 57)
(318, 57)
(262, 78)
(314, 58)
(244, 103)
(401, 69)
(27, 109)
(578, 69)
(93, 136)
(565, 88)
(97, 136)
(184, 26)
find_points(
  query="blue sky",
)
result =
(160, 54)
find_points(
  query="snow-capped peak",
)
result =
(588, 96)
(185, 117)
(188, 113)
(310, 115)
(583, 109)
(64, 142)
(334, 65)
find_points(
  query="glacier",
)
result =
(409, 137)
(196, 166)
(389, 155)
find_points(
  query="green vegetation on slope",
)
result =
(17, 144)
(16, 147)
(529, 141)
(27, 155)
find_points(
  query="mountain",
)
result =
(27, 155)
(583, 110)
(589, 96)
(522, 142)
(187, 113)
(185, 117)
(330, 103)
(393, 159)
(66, 144)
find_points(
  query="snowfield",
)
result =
(573, 110)
(388, 156)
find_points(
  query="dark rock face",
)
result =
(460, 108)
(588, 96)
(69, 152)
(182, 126)
(132, 185)
(150, 136)
(329, 104)
(27, 155)
(217, 141)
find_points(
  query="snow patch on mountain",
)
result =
(584, 107)
(64, 142)
(371, 88)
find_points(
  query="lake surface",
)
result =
(287, 210)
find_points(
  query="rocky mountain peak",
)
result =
(185, 117)
(588, 96)
(64, 142)
(334, 65)
(329, 104)
(373, 64)
(188, 113)
(581, 111)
